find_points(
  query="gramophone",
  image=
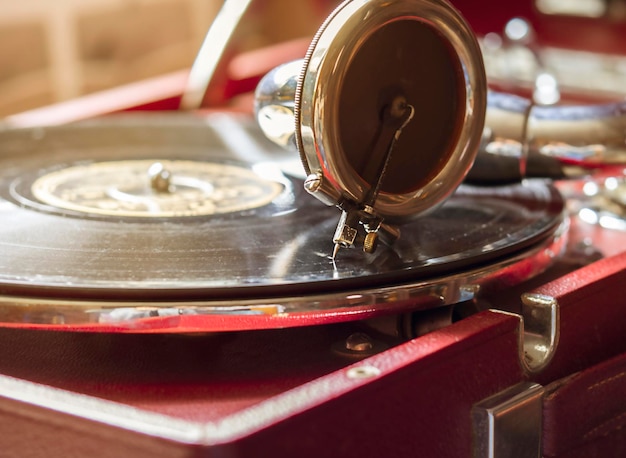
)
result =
(171, 284)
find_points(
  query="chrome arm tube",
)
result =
(586, 135)
(519, 140)
(589, 136)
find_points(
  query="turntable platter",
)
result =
(107, 223)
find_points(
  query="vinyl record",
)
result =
(133, 217)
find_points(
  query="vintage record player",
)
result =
(387, 259)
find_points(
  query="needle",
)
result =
(335, 251)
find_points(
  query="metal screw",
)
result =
(359, 341)
(371, 242)
(313, 183)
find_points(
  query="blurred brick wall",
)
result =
(53, 50)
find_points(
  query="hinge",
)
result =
(509, 424)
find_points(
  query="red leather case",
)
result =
(585, 414)
(286, 392)
(274, 393)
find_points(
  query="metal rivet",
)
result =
(362, 372)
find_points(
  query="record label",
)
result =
(148, 188)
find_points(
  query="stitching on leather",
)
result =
(605, 381)
(606, 425)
